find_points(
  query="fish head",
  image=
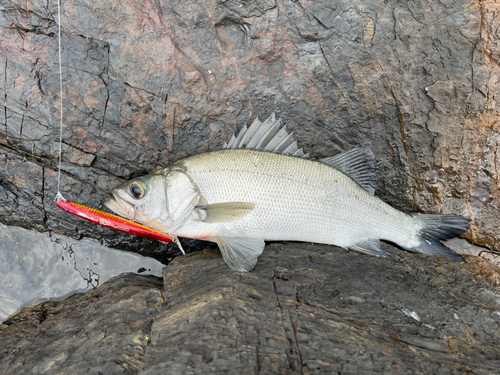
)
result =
(140, 200)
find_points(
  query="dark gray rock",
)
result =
(146, 84)
(304, 309)
(103, 331)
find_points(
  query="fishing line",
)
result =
(59, 195)
(91, 214)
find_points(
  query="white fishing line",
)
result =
(60, 97)
(59, 196)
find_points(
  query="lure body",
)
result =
(112, 221)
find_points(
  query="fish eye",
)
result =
(137, 190)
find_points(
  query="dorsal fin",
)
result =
(270, 135)
(358, 164)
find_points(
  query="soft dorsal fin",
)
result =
(270, 135)
(358, 164)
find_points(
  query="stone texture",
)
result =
(149, 83)
(103, 331)
(146, 83)
(304, 309)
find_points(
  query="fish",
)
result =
(261, 187)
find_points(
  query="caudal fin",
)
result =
(438, 228)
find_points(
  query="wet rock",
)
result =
(145, 85)
(304, 309)
(35, 267)
(107, 329)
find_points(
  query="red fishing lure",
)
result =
(112, 221)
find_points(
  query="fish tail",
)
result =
(437, 228)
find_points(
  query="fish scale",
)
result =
(295, 199)
(240, 196)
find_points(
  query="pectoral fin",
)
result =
(224, 212)
(240, 254)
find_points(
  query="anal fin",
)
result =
(240, 254)
(370, 247)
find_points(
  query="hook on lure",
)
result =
(114, 222)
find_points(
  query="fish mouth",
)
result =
(120, 207)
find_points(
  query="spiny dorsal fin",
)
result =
(270, 135)
(358, 164)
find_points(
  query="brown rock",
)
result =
(148, 84)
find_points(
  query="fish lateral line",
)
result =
(114, 222)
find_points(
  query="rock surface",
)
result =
(149, 83)
(103, 331)
(37, 267)
(304, 309)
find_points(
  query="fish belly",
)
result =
(295, 199)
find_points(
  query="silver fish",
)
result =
(260, 187)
